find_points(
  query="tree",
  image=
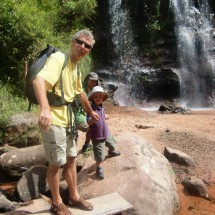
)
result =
(27, 26)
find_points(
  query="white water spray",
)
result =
(194, 39)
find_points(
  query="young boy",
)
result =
(99, 130)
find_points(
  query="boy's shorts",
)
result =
(58, 145)
(99, 149)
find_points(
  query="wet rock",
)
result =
(17, 161)
(173, 108)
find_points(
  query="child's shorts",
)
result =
(99, 149)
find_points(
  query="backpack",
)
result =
(53, 99)
(34, 69)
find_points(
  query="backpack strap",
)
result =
(73, 108)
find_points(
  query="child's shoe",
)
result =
(99, 173)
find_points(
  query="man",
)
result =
(54, 121)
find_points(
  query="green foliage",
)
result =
(75, 13)
(85, 66)
(10, 104)
(23, 26)
(27, 26)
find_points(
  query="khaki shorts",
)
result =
(58, 145)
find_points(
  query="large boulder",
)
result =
(141, 175)
(32, 183)
(22, 131)
(17, 161)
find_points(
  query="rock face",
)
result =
(141, 175)
(145, 84)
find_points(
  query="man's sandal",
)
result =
(81, 204)
(60, 209)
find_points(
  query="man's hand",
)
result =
(94, 118)
(40, 87)
(86, 106)
(94, 115)
(45, 119)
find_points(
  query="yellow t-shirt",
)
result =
(71, 85)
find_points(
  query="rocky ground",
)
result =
(190, 133)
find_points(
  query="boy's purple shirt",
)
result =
(99, 130)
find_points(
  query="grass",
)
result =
(10, 104)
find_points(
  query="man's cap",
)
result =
(93, 76)
(98, 89)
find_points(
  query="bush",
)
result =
(10, 104)
(26, 27)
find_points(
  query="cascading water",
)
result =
(136, 83)
(121, 33)
(124, 48)
(195, 52)
(139, 85)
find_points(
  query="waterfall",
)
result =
(121, 33)
(126, 60)
(195, 51)
(140, 83)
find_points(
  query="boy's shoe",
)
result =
(113, 153)
(99, 173)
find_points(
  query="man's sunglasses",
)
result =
(80, 42)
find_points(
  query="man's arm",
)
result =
(86, 106)
(40, 87)
(91, 121)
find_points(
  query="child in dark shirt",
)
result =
(99, 130)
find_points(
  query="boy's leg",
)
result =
(111, 144)
(86, 145)
(84, 127)
(99, 155)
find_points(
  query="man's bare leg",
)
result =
(70, 175)
(53, 178)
